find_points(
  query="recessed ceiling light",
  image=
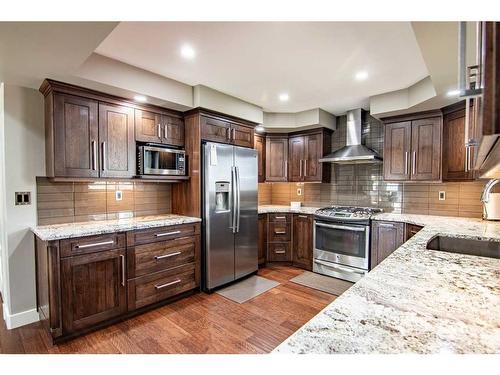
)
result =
(260, 129)
(140, 98)
(361, 76)
(284, 97)
(187, 51)
(453, 93)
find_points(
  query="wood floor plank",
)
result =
(201, 323)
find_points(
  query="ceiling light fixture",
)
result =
(140, 98)
(453, 93)
(284, 97)
(361, 76)
(187, 51)
(260, 129)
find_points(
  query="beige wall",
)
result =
(3, 240)
(23, 160)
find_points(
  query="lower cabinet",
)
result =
(302, 241)
(86, 282)
(386, 237)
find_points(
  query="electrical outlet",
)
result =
(118, 195)
(299, 191)
(442, 195)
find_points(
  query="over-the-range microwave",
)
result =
(158, 160)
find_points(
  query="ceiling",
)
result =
(314, 62)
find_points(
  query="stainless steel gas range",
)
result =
(342, 241)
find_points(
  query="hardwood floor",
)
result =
(202, 323)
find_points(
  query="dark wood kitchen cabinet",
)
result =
(305, 150)
(412, 147)
(260, 146)
(458, 159)
(217, 128)
(386, 237)
(262, 239)
(302, 244)
(93, 289)
(277, 158)
(116, 141)
(156, 127)
(279, 235)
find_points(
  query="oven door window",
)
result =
(159, 161)
(342, 239)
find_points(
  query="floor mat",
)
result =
(247, 289)
(324, 283)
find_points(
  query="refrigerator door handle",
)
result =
(237, 199)
(234, 198)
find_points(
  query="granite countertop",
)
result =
(89, 228)
(271, 208)
(416, 300)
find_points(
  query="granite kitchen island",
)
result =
(416, 300)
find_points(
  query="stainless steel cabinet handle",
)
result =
(346, 227)
(159, 130)
(406, 162)
(158, 257)
(122, 259)
(94, 155)
(414, 166)
(280, 217)
(94, 244)
(103, 155)
(279, 232)
(305, 167)
(167, 233)
(302, 216)
(385, 225)
(168, 284)
(165, 131)
(466, 158)
(286, 169)
(234, 134)
(279, 251)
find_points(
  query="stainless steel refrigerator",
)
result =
(230, 228)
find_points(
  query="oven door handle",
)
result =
(346, 227)
(338, 267)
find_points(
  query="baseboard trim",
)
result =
(19, 319)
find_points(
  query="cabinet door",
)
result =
(397, 147)
(454, 151)
(173, 130)
(116, 139)
(296, 159)
(147, 126)
(302, 248)
(215, 130)
(260, 146)
(262, 238)
(313, 151)
(93, 289)
(276, 159)
(242, 135)
(426, 149)
(386, 237)
(75, 136)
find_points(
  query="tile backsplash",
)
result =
(69, 202)
(363, 185)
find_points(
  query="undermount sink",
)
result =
(490, 249)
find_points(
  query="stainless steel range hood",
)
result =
(354, 152)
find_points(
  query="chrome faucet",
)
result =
(485, 195)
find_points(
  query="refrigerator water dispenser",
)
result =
(221, 196)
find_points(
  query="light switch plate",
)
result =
(118, 195)
(442, 195)
(22, 198)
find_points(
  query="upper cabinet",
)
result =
(153, 127)
(277, 158)
(304, 152)
(412, 148)
(260, 146)
(225, 130)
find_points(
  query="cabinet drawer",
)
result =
(280, 232)
(412, 230)
(161, 234)
(279, 252)
(92, 244)
(160, 256)
(280, 218)
(158, 286)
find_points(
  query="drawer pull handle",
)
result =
(158, 257)
(279, 251)
(280, 217)
(167, 233)
(303, 216)
(94, 244)
(168, 284)
(122, 261)
(279, 232)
